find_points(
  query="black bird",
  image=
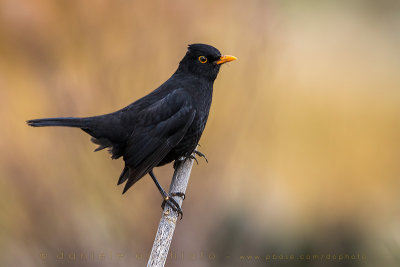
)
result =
(163, 126)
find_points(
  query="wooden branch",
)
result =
(165, 232)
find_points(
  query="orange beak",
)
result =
(224, 59)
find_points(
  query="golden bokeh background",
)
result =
(303, 138)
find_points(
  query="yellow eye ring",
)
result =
(202, 59)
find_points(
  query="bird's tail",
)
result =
(66, 122)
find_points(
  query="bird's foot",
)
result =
(201, 155)
(191, 156)
(172, 202)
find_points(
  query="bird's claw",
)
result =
(179, 194)
(194, 158)
(201, 155)
(173, 204)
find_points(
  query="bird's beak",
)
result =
(224, 59)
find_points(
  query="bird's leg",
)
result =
(168, 198)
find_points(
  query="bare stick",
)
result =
(165, 232)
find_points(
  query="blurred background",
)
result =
(302, 140)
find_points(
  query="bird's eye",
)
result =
(202, 59)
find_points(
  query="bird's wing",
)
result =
(158, 129)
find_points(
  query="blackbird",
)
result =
(161, 127)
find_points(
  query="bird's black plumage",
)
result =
(161, 127)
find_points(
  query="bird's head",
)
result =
(203, 60)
